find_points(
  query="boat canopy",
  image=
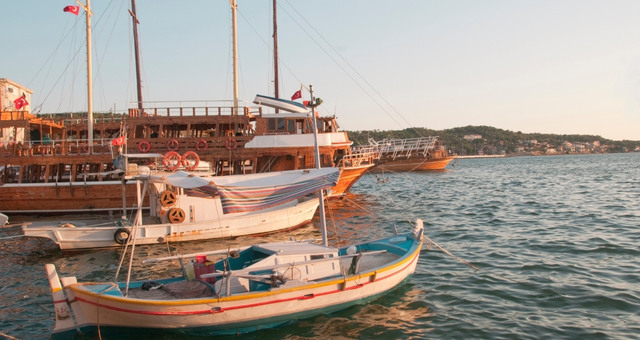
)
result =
(241, 193)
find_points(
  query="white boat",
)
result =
(188, 207)
(244, 290)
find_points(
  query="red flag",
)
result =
(72, 9)
(20, 102)
(118, 141)
(297, 95)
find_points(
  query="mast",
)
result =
(323, 221)
(137, 52)
(235, 56)
(87, 9)
(275, 52)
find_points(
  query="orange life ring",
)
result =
(188, 158)
(172, 160)
(173, 145)
(231, 143)
(144, 146)
(201, 145)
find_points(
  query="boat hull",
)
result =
(414, 164)
(289, 215)
(238, 313)
(70, 197)
(348, 177)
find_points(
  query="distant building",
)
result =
(472, 137)
(10, 92)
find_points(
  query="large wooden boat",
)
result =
(56, 166)
(44, 170)
(410, 154)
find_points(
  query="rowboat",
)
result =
(235, 291)
(188, 207)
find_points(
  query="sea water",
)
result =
(540, 248)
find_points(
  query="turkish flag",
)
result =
(118, 141)
(72, 9)
(297, 95)
(20, 102)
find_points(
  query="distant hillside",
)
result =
(498, 141)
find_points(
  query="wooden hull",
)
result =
(66, 197)
(286, 216)
(348, 177)
(414, 164)
(103, 304)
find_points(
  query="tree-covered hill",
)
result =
(497, 141)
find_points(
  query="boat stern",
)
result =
(64, 319)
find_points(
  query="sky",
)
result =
(535, 66)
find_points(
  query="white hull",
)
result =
(286, 216)
(331, 289)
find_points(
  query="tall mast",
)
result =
(275, 52)
(235, 57)
(87, 9)
(137, 52)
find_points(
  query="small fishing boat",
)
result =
(243, 290)
(188, 207)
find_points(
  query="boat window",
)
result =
(317, 257)
(280, 124)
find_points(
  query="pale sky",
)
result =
(556, 66)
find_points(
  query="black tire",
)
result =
(121, 236)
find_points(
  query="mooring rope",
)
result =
(448, 253)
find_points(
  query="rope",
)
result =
(8, 336)
(448, 253)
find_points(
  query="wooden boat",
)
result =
(410, 154)
(72, 172)
(186, 207)
(248, 289)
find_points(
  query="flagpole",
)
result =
(323, 221)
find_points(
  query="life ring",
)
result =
(144, 146)
(173, 145)
(231, 143)
(85, 148)
(176, 215)
(172, 160)
(121, 236)
(201, 145)
(190, 160)
(168, 199)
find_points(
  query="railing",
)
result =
(358, 159)
(393, 148)
(55, 147)
(195, 108)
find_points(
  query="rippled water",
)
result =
(556, 241)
